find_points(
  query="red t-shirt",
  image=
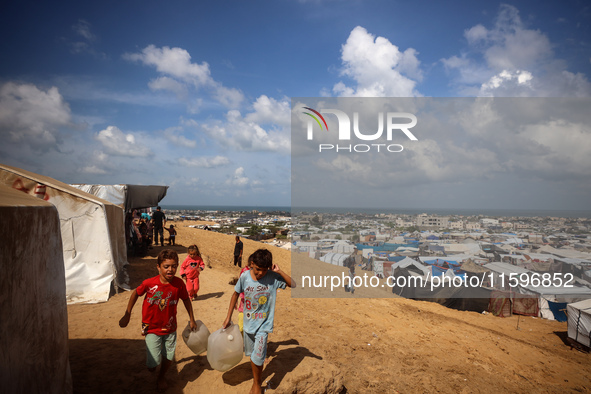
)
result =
(159, 307)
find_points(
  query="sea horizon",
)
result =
(494, 212)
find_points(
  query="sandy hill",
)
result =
(327, 345)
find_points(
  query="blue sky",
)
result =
(196, 95)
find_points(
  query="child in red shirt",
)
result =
(159, 313)
(191, 269)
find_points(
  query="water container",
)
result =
(225, 348)
(196, 340)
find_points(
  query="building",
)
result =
(428, 221)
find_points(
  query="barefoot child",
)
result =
(159, 313)
(260, 290)
(172, 234)
(191, 269)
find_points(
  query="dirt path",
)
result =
(366, 345)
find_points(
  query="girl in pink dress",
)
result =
(190, 270)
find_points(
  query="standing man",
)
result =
(159, 221)
(238, 252)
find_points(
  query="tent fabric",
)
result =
(139, 197)
(526, 306)
(335, 258)
(579, 322)
(500, 303)
(113, 193)
(93, 239)
(127, 197)
(462, 298)
(33, 317)
(558, 310)
(470, 266)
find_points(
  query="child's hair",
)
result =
(249, 262)
(195, 248)
(167, 254)
(262, 258)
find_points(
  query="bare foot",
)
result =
(256, 389)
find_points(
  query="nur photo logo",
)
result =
(396, 124)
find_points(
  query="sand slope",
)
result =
(327, 345)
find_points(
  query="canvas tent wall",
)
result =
(335, 258)
(579, 322)
(33, 317)
(127, 197)
(542, 293)
(93, 239)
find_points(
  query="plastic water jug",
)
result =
(196, 340)
(225, 348)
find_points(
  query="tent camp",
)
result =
(544, 294)
(127, 197)
(93, 240)
(33, 317)
(579, 322)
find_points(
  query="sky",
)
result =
(198, 95)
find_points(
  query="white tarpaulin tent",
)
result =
(93, 238)
(335, 258)
(579, 322)
(127, 197)
(33, 316)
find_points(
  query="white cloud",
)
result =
(175, 62)
(173, 134)
(378, 67)
(245, 133)
(32, 116)
(509, 81)
(94, 170)
(511, 59)
(562, 148)
(166, 83)
(204, 162)
(178, 71)
(118, 143)
(229, 97)
(238, 179)
(267, 110)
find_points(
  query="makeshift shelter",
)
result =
(93, 240)
(522, 295)
(335, 258)
(462, 298)
(33, 317)
(127, 197)
(410, 265)
(579, 322)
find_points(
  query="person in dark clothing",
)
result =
(238, 252)
(172, 234)
(159, 221)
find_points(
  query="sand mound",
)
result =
(327, 345)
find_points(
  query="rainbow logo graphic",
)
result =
(315, 118)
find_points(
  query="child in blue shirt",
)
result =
(260, 290)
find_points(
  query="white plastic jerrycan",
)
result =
(225, 348)
(196, 340)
